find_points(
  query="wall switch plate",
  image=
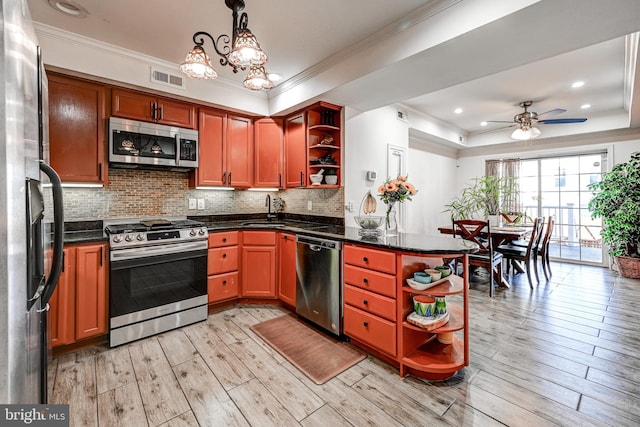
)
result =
(372, 175)
(200, 203)
(309, 205)
(350, 206)
(192, 203)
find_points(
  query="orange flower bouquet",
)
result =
(395, 190)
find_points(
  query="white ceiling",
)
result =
(533, 52)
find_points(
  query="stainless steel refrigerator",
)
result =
(26, 284)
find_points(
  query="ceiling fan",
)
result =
(526, 120)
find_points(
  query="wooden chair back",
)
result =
(475, 230)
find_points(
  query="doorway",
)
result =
(557, 186)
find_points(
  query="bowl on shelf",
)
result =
(316, 178)
(424, 305)
(444, 269)
(331, 179)
(435, 274)
(421, 277)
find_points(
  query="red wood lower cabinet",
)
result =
(79, 303)
(372, 330)
(223, 266)
(223, 287)
(259, 264)
(287, 268)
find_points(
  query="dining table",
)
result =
(500, 235)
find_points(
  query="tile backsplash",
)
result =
(149, 194)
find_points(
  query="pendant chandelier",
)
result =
(240, 51)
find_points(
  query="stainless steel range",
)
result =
(158, 277)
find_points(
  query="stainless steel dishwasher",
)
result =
(318, 282)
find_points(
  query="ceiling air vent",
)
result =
(167, 78)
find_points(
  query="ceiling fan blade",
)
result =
(499, 121)
(500, 128)
(560, 121)
(553, 112)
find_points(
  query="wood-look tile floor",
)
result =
(565, 353)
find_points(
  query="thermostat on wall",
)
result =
(372, 175)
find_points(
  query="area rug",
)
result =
(318, 356)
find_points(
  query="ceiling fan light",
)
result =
(257, 79)
(197, 64)
(246, 50)
(525, 133)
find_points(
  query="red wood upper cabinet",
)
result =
(239, 152)
(77, 117)
(211, 138)
(150, 108)
(295, 143)
(269, 148)
(226, 150)
(287, 268)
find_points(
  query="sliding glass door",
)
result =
(557, 186)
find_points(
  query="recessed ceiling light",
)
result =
(458, 110)
(585, 106)
(69, 8)
(577, 84)
(483, 123)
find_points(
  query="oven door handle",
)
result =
(149, 251)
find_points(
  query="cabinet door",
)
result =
(176, 113)
(259, 271)
(287, 268)
(269, 147)
(239, 152)
(77, 116)
(212, 129)
(61, 319)
(295, 151)
(91, 291)
(132, 105)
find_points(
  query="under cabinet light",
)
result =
(263, 189)
(76, 185)
(216, 188)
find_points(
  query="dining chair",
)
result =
(511, 218)
(527, 255)
(543, 249)
(479, 232)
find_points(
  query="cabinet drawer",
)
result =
(223, 286)
(370, 329)
(370, 280)
(222, 260)
(259, 238)
(370, 302)
(370, 258)
(225, 238)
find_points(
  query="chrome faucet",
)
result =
(270, 216)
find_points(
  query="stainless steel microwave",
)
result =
(134, 144)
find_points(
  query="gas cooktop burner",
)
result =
(152, 225)
(154, 232)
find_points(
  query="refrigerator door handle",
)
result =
(58, 231)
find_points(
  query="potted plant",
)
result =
(482, 197)
(616, 199)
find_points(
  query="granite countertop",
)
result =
(416, 243)
(92, 231)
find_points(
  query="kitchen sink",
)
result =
(263, 224)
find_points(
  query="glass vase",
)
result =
(391, 222)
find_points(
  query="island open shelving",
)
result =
(439, 353)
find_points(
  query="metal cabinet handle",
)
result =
(301, 179)
(229, 178)
(224, 255)
(365, 259)
(224, 178)
(366, 324)
(100, 256)
(224, 282)
(365, 302)
(224, 240)
(279, 180)
(365, 280)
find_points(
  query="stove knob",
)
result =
(201, 232)
(117, 238)
(192, 233)
(140, 237)
(128, 237)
